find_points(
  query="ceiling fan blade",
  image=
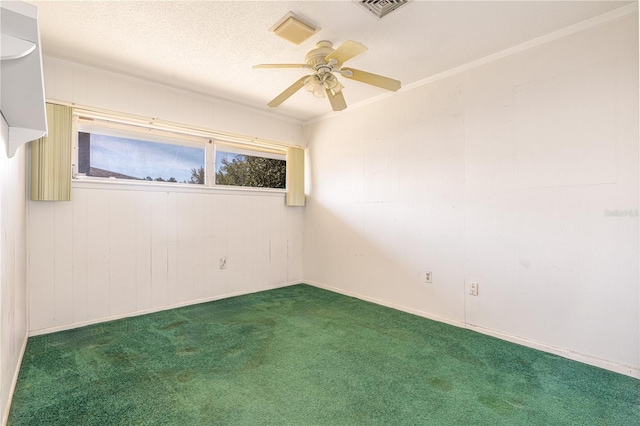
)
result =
(346, 51)
(299, 84)
(281, 66)
(373, 79)
(337, 101)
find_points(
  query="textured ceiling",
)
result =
(209, 47)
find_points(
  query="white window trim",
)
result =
(235, 148)
(135, 185)
(162, 132)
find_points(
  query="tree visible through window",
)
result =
(116, 151)
(248, 170)
(197, 176)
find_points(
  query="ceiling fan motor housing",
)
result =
(317, 56)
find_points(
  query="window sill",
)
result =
(123, 185)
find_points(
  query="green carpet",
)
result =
(304, 356)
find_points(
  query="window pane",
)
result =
(250, 170)
(123, 158)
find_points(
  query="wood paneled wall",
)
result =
(85, 86)
(13, 265)
(113, 252)
(119, 249)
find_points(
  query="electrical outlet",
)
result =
(223, 263)
(473, 288)
(427, 277)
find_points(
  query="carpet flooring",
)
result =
(305, 356)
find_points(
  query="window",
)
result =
(106, 156)
(257, 168)
(111, 148)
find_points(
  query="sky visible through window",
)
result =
(221, 155)
(141, 159)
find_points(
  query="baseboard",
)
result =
(48, 330)
(417, 312)
(627, 370)
(565, 353)
(14, 381)
(575, 356)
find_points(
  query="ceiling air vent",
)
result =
(380, 8)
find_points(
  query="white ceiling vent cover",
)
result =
(380, 8)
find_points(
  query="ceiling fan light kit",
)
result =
(324, 61)
(293, 29)
(313, 85)
(318, 84)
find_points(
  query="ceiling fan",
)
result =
(325, 62)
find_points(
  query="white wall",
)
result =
(500, 174)
(85, 86)
(118, 250)
(13, 266)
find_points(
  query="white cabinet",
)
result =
(22, 100)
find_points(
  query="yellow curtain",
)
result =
(51, 157)
(295, 176)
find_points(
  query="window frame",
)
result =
(253, 150)
(125, 126)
